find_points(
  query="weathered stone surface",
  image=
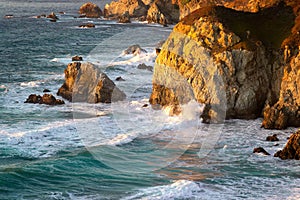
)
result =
(90, 10)
(291, 149)
(135, 8)
(286, 112)
(48, 99)
(125, 18)
(163, 12)
(220, 57)
(189, 6)
(86, 83)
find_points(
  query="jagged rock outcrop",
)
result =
(291, 149)
(163, 12)
(135, 8)
(189, 6)
(86, 83)
(48, 99)
(125, 18)
(220, 57)
(90, 10)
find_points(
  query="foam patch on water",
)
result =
(31, 84)
(181, 189)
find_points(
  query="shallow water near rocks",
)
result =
(121, 150)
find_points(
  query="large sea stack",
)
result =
(238, 63)
(84, 82)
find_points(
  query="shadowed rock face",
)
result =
(86, 83)
(291, 149)
(220, 57)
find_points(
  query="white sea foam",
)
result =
(31, 84)
(181, 189)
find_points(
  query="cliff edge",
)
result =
(236, 63)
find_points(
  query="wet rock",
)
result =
(291, 149)
(8, 16)
(33, 98)
(86, 83)
(125, 18)
(119, 78)
(145, 106)
(48, 99)
(52, 16)
(90, 10)
(134, 49)
(157, 51)
(88, 25)
(272, 138)
(260, 150)
(46, 90)
(77, 58)
(144, 66)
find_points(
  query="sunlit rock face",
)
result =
(220, 57)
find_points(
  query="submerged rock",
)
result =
(144, 66)
(52, 16)
(119, 78)
(90, 10)
(260, 150)
(88, 25)
(272, 138)
(48, 99)
(46, 90)
(234, 71)
(86, 83)
(291, 149)
(134, 49)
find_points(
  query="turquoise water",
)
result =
(118, 151)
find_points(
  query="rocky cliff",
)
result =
(233, 61)
(86, 83)
(157, 11)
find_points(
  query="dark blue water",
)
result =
(60, 153)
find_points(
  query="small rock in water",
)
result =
(8, 16)
(144, 66)
(260, 150)
(145, 106)
(275, 145)
(120, 79)
(46, 90)
(77, 58)
(272, 138)
(48, 99)
(88, 25)
(134, 49)
(52, 16)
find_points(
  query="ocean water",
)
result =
(121, 150)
